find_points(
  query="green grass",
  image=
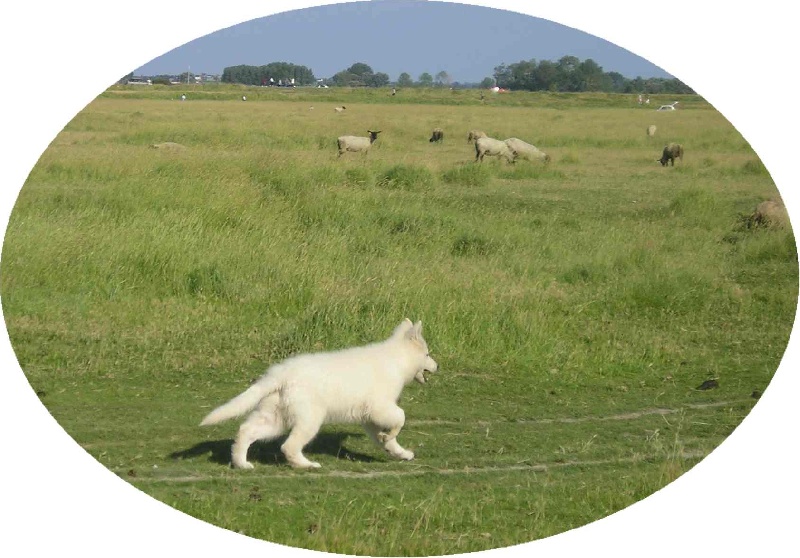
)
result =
(573, 307)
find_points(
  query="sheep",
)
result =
(494, 147)
(770, 212)
(651, 130)
(339, 110)
(356, 143)
(475, 134)
(437, 135)
(523, 150)
(168, 145)
(671, 151)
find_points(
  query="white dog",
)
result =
(300, 394)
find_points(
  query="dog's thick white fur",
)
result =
(300, 394)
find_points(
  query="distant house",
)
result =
(139, 81)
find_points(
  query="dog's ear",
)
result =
(405, 325)
(416, 331)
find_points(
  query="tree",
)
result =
(359, 69)
(186, 77)
(405, 80)
(425, 79)
(617, 82)
(261, 75)
(360, 75)
(591, 75)
(377, 80)
(346, 79)
(523, 75)
(546, 76)
(487, 83)
(443, 79)
(502, 76)
(569, 79)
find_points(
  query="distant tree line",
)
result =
(261, 75)
(570, 74)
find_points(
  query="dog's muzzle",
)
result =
(429, 366)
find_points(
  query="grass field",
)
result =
(573, 308)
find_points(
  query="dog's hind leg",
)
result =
(389, 445)
(262, 424)
(303, 431)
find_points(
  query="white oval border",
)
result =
(58, 498)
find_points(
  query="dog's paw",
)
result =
(246, 465)
(305, 464)
(406, 455)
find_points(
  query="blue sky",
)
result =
(395, 36)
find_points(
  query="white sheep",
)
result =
(475, 134)
(524, 150)
(651, 130)
(356, 143)
(168, 145)
(493, 147)
(339, 110)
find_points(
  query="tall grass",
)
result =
(140, 283)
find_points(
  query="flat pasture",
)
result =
(574, 308)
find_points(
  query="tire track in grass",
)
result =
(522, 466)
(424, 470)
(633, 415)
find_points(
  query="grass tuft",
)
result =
(469, 174)
(406, 177)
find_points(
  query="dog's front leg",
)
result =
(396, 450)
(390, 445)
(390, 419)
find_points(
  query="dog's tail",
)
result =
(243, 402)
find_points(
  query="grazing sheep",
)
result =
(339, 110)
(356, 143)
(671, 151)
(523, 150)
(493, 147)
(168, 145)
(651, 130)
(437, 135)
(474, 135)
(770, 213)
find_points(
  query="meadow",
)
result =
(574, 308)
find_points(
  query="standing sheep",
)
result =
(651, 130)
(671, 151)
(493, 147)
(524, 150)
(474, 135)
(339, 110)
(437, 135)
(356, 143)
